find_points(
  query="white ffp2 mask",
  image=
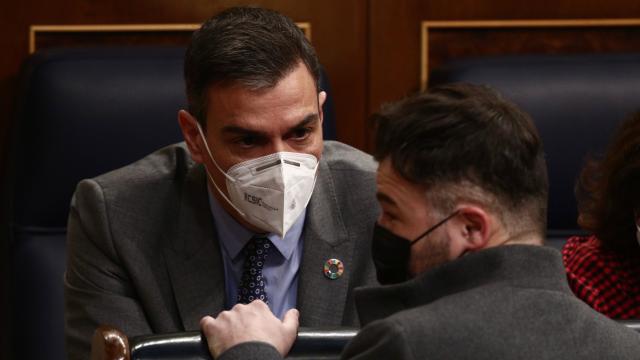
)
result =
(269, 192)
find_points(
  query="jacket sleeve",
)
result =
(254, 350)
(381, 339)
(98, 290)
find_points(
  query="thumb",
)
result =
(290, 321)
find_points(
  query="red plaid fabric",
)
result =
(606, 280)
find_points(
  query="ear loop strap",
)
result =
(206, 146)
(434, 227)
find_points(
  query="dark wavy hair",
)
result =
(250, 46)
(608, 189)
(463, 133)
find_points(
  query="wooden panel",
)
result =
(442, 41)
(395, 29)
(44, 36)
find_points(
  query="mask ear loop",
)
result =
(206, 146)
(431, 229)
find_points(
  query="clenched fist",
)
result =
(251, 322)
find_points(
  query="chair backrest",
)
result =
(82, 112)
(576, 101)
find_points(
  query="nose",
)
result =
(279, 145)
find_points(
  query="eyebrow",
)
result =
(306, 121)
(238, 130)
(384, 198)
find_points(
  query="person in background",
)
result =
(603, 268)
(463, 188)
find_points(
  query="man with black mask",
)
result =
(463, 189)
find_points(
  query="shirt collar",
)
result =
(235, 236)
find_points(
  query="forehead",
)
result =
(267, 110)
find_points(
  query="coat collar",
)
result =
(322, 301)
(516, 265)
(193, 255)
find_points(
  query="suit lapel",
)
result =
(193, 254)
(321, 301)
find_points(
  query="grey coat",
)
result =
(508, 302)
(143, 254)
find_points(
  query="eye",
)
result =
(301, 133)
(247, 141)
(386, 218)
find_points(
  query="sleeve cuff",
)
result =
(253, 350)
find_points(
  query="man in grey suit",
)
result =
(463, 189)
(254, 205)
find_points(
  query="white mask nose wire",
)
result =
(206, 146)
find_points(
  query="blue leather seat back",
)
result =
(88, 111)
(82, 112)
(37, 310)
(576, 101)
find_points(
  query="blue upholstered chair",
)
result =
(82, 112)
(576, 101)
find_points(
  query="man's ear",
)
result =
(474, 226)
(322, 97)
(189, 126)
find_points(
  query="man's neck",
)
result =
(524, 237)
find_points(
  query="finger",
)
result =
(290, 330)
(207, 327)
(290, 321)
(206, 322)
(259, 304)
(238, 306)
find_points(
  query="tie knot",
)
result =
(257, 246)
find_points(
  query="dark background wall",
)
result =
(370, 48)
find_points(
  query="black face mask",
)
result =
(391, 253)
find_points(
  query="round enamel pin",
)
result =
(333, 269)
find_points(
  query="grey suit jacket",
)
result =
(143, 254)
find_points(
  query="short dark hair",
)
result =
(251, 46)
(608, 189)
(466, 134)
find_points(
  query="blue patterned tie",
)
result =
(252, 282)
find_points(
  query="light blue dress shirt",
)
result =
(280, 270)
